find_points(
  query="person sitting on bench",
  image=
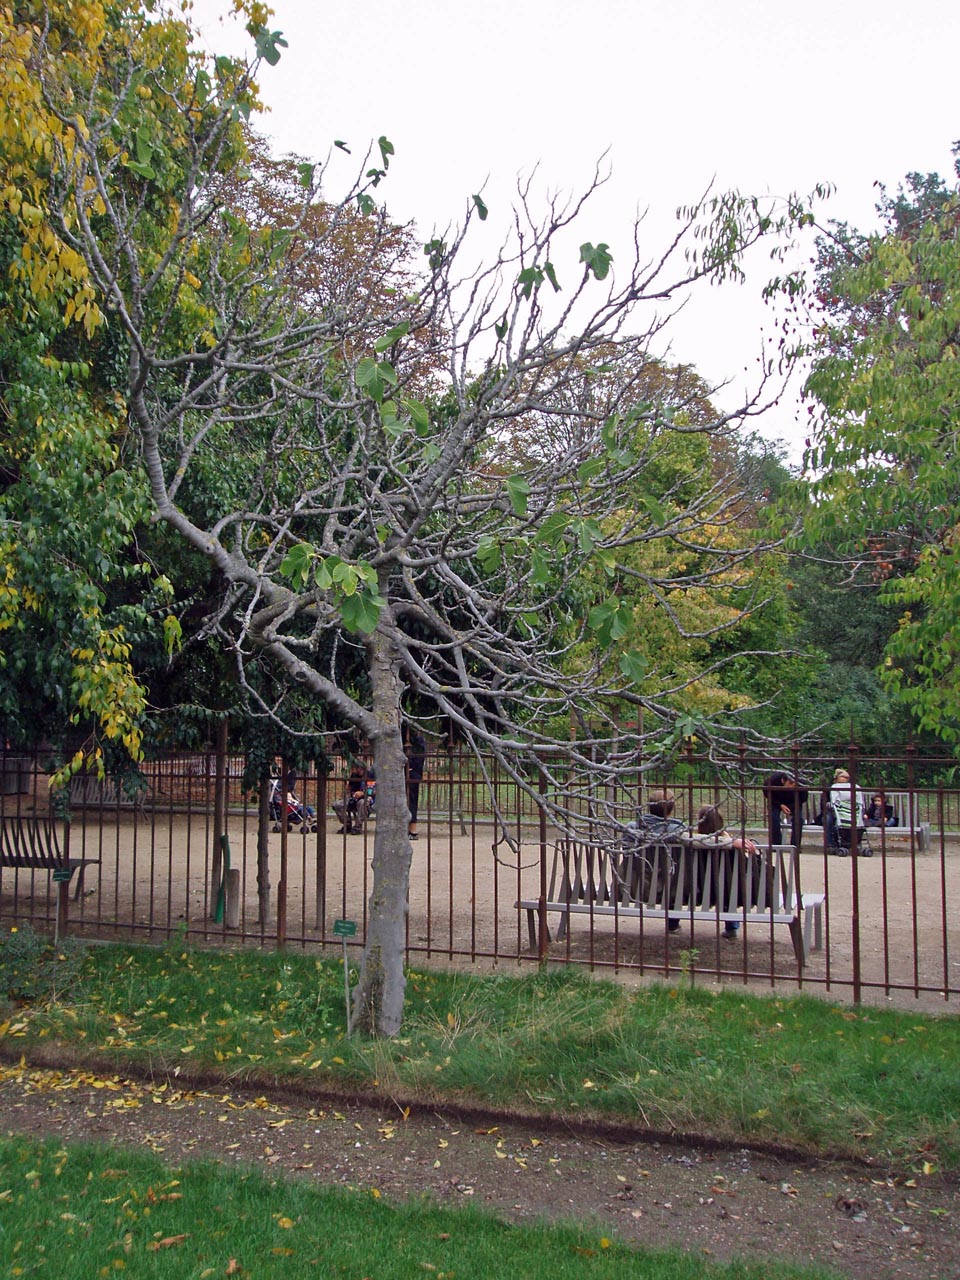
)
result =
(710, 823)
(352, 809)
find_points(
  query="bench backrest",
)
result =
(702, 876)
(29, 840)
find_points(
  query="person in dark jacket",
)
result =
(352, 809)
(785, 798)
(879, 813)
(415, 749)
(658, 825)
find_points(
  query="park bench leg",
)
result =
(532, 927)
(807, 931)
(533, 914)
(796, 935)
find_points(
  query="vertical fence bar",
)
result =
(284, 845)
(912, 812)
(944, 916)
(852, 769)
(320, 868)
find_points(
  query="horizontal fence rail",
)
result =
(192, 847)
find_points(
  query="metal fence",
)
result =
(158, 857)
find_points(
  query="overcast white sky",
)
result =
(764, 95)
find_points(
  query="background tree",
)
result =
(691, 605)
(76, 591)
(370, 521)
(883, 467)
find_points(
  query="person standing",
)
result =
(415, 749)
(786, 798)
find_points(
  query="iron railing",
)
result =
(892, 922)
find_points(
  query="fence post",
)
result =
(219, 815)
(282, 886)
(853, 763)
(63, 888)
(542, 905)
(231, 914)
(321, 859)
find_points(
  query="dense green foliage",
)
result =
(883, 468)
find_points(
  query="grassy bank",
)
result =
(799, 1072)
(102, 1213)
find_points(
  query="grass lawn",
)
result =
(797, 1071)
(90, 1212)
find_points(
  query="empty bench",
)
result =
(705, 881)
(30, 842)
(90, 792)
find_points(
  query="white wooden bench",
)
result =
(905, 824)
(90, 792)
(697, 881)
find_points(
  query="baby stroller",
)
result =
(297, 814)
(840, 835)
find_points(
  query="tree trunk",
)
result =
(378, 998)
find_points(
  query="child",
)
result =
(878, 813)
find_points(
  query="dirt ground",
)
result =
(891, 919)
(721, 1204)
